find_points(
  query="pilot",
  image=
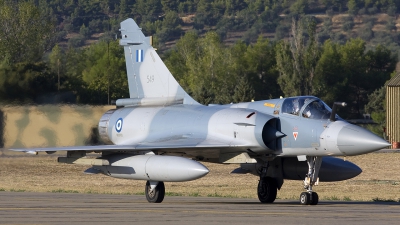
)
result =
(297, 104)
(307, 112)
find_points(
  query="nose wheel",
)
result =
(307, 198)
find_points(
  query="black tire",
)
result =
(157, 195)
(267, 190)
(314, 198)
(305, 198)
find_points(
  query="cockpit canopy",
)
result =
(307, 107)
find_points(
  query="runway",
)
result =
(66, 208)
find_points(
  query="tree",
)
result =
(105, 73)
(330, 83)
(26, 33)
(237, 77)
(352, 6)
(188, 52)
(56, 63)
(170, 5)
(377, 108)
(243, 91)
(170, 27)
(261, 69)
(299, 7)
(296, 60)
(25, 82)
(350, 73)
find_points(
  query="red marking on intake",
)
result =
(295, 135)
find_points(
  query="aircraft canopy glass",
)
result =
(307, 107)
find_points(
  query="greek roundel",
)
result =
(139, 55)
(118, 125)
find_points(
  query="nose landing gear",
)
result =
(309, 197)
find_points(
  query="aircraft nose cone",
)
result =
(354, 140)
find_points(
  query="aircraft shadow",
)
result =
(296, 203)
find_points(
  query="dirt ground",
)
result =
(379, 181)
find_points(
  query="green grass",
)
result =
(346, 198)
(2, 189)
(215, 194)
(91, 192)
(17, 190)
(332, 198)
(377, 199)
(218, 195)
(64, 191)
(173, 194)
(194, 194)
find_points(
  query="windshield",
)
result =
(307, 107)
(294, 105)
(316, 110)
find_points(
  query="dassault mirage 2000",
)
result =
(160, 134)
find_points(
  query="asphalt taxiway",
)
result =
(67, 208)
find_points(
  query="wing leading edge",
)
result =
(166, 145)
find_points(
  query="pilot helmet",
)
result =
(296, 106)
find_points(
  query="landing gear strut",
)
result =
(155, 191)
(267, 187)
(309, 197)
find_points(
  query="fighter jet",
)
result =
(161, 134)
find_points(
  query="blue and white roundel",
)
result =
(118, 125)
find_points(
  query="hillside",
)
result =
(379, 28)
(82, 23)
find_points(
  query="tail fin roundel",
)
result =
(148, 78)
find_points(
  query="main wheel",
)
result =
(266, 190)
(157, 195)
(305, 198)
(314, 199)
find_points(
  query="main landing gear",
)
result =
(309, 197)
(155, 191)
(267, 187)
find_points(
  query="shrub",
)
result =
(391, 11)
(372, 10)
(76, 42)
(323, 36)
(362, 11)
(281, 32)
(329, 12)
(367, 34)
(328, 23)
(348, 25)
(84, 31)
(391, 26)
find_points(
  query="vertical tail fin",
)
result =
(148, 78)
